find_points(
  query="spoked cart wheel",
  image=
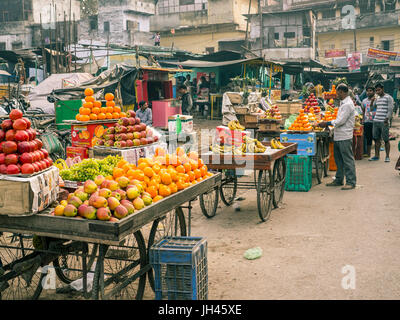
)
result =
(228, 186)
(209, 202)
(121, 270)
(279, 175)
(326, 156)
(172, 224)
(14, 284)
(265, 186)
(319, 165)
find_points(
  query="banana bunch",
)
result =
(235, 125)
(60, 164)
(276, 144)
(221, 149)
(251, 145)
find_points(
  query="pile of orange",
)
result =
(164, 174)
(301, 123)
(93, 110)
(329, 116)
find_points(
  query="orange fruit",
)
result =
(193, 164)
(148, 172)
(180, 169)
(96, 110)
(184, 159)
(180, 185)
(192, 176)
(93, 116)
(203, 170)
(123, 115)
(103, 110)
(173, 187)
(84, 111)
(187, 167)
(200, 163)
(122, 163)
(185, 177)
(173, 174)
(166, 178)
(152, 191)
(157, 198)
(174, 160)
(199, 179)
(197, 173)
(142, 165)
(96, 104)
(180, 151)
(90, 99)
(193, 155)
(109, 96)
(101, 116)
(110, 104)
(156, 178)
(88, 105)
(156, 168)
(138, 175)
(115, 115)
(85, 117)
(117, 109)
(160, 151)
(89, 92)
(109, 115)
(164, 191)
(78, 117)
(118, 172)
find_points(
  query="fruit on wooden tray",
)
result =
(301, 123)
(273, 114)
(235, 125)
(20, 151)
(276, 144)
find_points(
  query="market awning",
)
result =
(172, 70)
(208, 64)
(4, 73)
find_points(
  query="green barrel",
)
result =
(66, 110)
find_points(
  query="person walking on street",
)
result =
(187, 102)
(343, 140)
(157, 39)
(188, 84)
(383, 106)
(368, 118)
(144, 113)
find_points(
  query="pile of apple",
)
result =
(105, 200)
(20, 150)
(127, 133)
(311, 102)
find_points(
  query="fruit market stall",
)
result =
(241, 152)
(101, 226)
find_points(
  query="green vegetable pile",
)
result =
(89, 169)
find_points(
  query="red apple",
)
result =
(16, 114)
(51, 161)
(9, 147)
(43, 164)
(39, 143)
(155, 138)
(13, 169)
(137, 120)
(142, 126)
(7, 124)
(10, 135)
(143, 141)
(23, 147)
(36, 167)
(136, 142)
(46, 154)
(21, 135)
(137, 128)
(32, 146)
(129, 143)
(27, 168)
(2, 158)
(28, 122)
(142, 134)
(149, 140)
(20, 124)
(3, 169)
(26, 157)
(131, 113)
(2, 135)
(11, 159)
(47, 161)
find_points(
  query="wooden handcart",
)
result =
(269, 172)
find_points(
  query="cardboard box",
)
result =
(186, 121)
(81, 152)
(289, 107)
(230, 137)
(86, 134)
(306, 143)
(27, 196)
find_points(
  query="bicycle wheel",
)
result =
(228, 187)
(25, 286)
(69, 266)
(209, 202)
(279, 175)
(124, 269)
(172, 224)
(264, 194)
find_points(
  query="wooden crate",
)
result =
(289, 107)
(269, 126)
(241, 110)
(234, 97)
(251, 118)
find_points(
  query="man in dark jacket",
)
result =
(187, 102)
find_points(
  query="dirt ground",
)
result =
(308, 241)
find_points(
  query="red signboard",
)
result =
(335, 53)
(383, 54)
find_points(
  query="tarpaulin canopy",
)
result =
(208, 64)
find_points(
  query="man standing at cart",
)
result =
(144, 113)
(343, 140)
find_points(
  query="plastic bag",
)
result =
(253, 253)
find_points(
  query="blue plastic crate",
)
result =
(306, 143)
(180, 268)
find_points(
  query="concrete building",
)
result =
(199, 25)
(123, 22)
(20, 21)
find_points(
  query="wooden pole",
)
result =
(56, 38)
(43, 50)
(74, 40)
(247, 27)
(65, 44)
(261, 28)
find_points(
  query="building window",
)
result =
(2, 46)
(387, 45)
(185, 2)
(367, 6)
(210, 50)
(4, 16)
(289, 35)
(389, 6)
(17, 45)
(328, 14)
(107, 26)
(371, 42)
(93, 23)
(276, 35)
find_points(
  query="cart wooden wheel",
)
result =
(121, 270)
(279, 175)
(228, 186)
(172, 224)
(319, 165)
(16, 286)
(209, 202)
(69, 266)
(264, 194)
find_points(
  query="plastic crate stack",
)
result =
(180, 268)
(298, 173)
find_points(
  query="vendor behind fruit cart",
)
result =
(144, 113)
